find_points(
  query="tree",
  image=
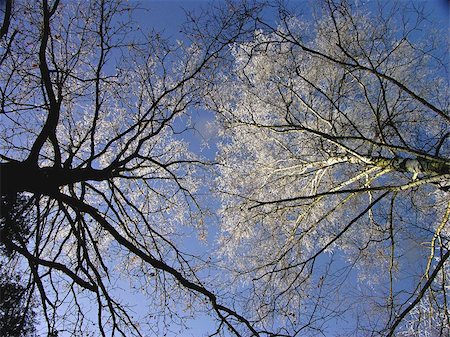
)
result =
(17, 315)
(335, 171)
(88, 104)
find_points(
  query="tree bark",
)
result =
(26, 177)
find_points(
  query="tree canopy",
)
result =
(332, 173)
(17, 314)
(336, 162)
